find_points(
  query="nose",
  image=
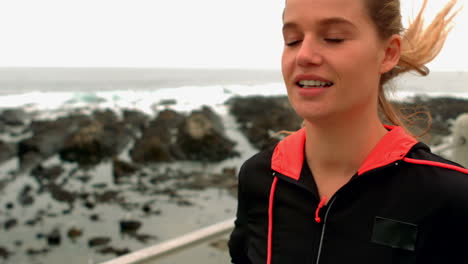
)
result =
(309, 53)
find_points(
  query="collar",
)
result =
(288, 156)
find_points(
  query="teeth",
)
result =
(314, 83)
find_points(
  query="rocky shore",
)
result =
(74, 165)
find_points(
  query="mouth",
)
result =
(310, 84)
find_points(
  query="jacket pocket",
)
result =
(394, 233)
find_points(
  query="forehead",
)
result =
(310, 11)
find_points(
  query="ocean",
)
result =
(55, 88)
(52, 92)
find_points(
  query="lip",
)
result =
(310, 92)
(302, 77)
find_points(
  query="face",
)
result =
(332, 58)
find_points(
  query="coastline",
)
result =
(64, 194)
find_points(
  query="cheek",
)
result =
(360, 61)
(287, 61)
(285, 57)
(358, 73)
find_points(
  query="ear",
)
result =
(392, 53)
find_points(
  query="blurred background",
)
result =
(124, 123)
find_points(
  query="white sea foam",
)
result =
(186, 98)
(60, 90)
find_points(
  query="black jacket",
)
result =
(404, 205)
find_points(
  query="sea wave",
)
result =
(183, 98)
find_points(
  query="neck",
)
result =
(339, 147)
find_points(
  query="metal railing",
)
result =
(177, 244)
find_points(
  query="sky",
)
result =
(243, 34)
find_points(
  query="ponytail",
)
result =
(419, 47)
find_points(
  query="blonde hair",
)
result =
(419, 46)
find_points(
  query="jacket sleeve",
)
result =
(239, 236)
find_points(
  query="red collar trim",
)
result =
(288, 155)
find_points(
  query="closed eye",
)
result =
(334, 40)
(292, 43)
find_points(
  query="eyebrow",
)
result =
(323, 22)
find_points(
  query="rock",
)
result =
(60, 194)
(89, 204)
(182, 202)
(25, 197)
(54, 238)
(135, 119)
(129, 226)
(98, 140)
(4, 253)
(202, 180)
(14, 117)
(115, 251)
(154, 150)
(261, 117)
(230, 172)
(10, 223)
(221, 244)
(146, 208)
(99, 185)
(74, 232)
(144, 238)
(47, 173)
(8, 151)
(33, 222)
(29, 160)
(51, 215)
(122, 169)
(84, 178)
(94, 217)
(32, 251)
(202, 138)
(173, 136)
(157, 142)
(84, 195)
(108, 196)
(167, 102)
(105, 117)
(98, 241)
(48, 139)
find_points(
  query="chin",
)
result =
(312, 115)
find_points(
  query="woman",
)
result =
(346, 188)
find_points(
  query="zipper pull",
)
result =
(317, 212)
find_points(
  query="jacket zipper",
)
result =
(323, 229)
(332, 200)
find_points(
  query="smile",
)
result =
(313, 84)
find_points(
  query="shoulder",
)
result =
(260, 162)
(255, 174)
(421, 151)
(450, 178)
(422, 157)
